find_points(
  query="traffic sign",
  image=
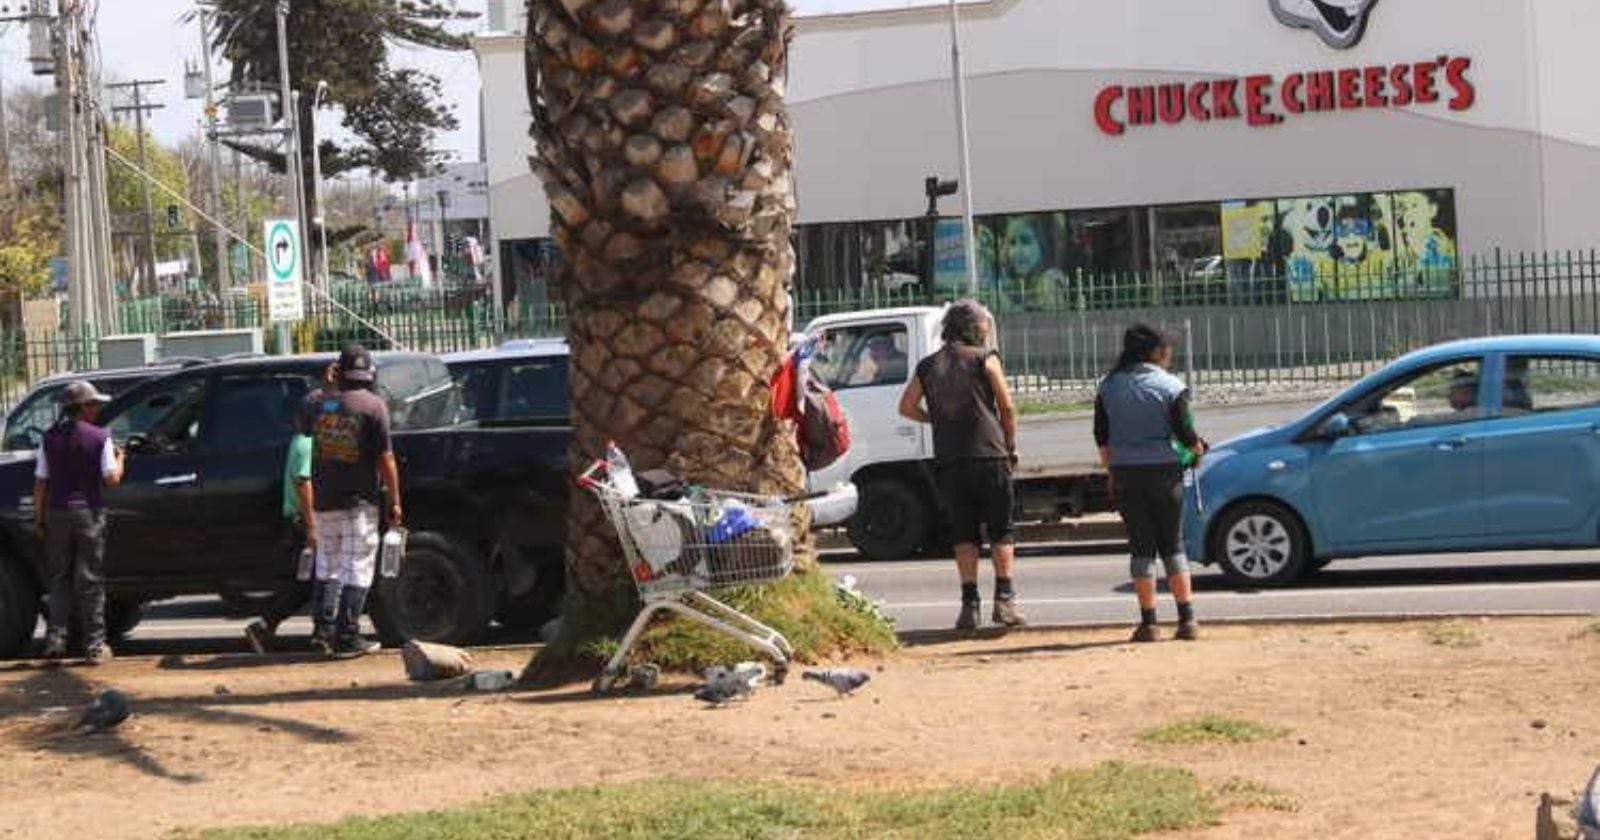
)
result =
(285, 274)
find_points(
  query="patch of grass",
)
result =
(1211, 729)
(1026, 409)
(1245, 795)
(804, 607)
(1107, 802)
(1590, 631)
(1453, 636)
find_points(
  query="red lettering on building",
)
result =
(1427, 91)
(1197, 101)
(1257, 96)
(1291, 93)
(1372, 84)
(1455, 73)
(1224, 101)
(1102, 111)
(1266, 100)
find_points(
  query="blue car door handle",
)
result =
(1450, 444)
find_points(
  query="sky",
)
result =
(146, 39)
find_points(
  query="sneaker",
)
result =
(968, 620)
(320, 643)
(1008, 614)
(98, 654)
(259, 637)
(1146, 633)
(55, 646)
(1188, 631)
(354, 647)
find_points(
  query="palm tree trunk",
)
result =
(664, 146)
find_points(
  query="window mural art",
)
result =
(1337, 247)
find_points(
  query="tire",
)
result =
(444, 593)
(122, 615)
(537, 602)
(891, 520)
(19, 611)
(1261, 544)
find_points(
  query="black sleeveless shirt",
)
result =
(966, 418)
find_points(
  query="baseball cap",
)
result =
(80, 392)
(355, 364)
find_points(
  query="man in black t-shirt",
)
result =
(352, 455)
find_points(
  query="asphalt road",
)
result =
(1087, 584)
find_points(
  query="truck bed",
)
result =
(1063, 445)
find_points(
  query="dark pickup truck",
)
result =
(198, 509)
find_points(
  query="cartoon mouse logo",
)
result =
(1339, 23)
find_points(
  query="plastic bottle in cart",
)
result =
(620, 471)
(394, 548)
(308, 559)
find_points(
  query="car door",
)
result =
(156, 522)
(1542, 450)
(255, 417)
(1409, 475)
(868, 366)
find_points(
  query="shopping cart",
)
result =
(678, 549)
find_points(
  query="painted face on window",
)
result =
(1354, 237)
(1024, 254)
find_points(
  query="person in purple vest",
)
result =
(76, 462)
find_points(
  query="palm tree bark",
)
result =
(665, 148)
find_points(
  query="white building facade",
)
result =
(1303, 147)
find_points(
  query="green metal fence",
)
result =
(1300, 336)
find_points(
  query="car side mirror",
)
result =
(1336, 427)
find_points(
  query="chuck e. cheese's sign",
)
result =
(1265, 100)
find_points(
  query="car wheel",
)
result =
(444, 593)
(890, 522)
(122, 615)
(1261, 544)
(19, 611)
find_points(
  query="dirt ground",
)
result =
(1438, 729)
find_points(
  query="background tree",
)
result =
(30, 202)
(665, 148)
(394, 114)
(125, 193)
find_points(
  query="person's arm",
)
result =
(308, 511)
(112, 462)
(304, 490)
(911, 403)
(388, 468)
(1003, 403)
(1182, 418)
(1102, 431)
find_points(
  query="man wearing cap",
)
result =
(351, 455)
(76, 462)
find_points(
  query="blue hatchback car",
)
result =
(1481, 445)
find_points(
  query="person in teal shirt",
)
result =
(299, 514)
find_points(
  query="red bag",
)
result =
(824, 432)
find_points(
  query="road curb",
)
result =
(922, 638)
(1085, 531)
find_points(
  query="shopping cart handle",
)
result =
(587, 479)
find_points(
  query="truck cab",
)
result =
(867, 358)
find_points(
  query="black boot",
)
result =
(325, 614)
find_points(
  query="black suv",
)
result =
(198, 509)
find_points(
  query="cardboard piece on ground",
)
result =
(426, 662)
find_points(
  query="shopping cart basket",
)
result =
(678, 549)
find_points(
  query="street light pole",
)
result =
(291, 119)
(224, 275)
(966, 159)
(321, 220)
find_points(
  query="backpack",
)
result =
(824, 433)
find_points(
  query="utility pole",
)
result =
(223, 274)
(291, 121)
(970, 245)
(5, 131)
(139, 107)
